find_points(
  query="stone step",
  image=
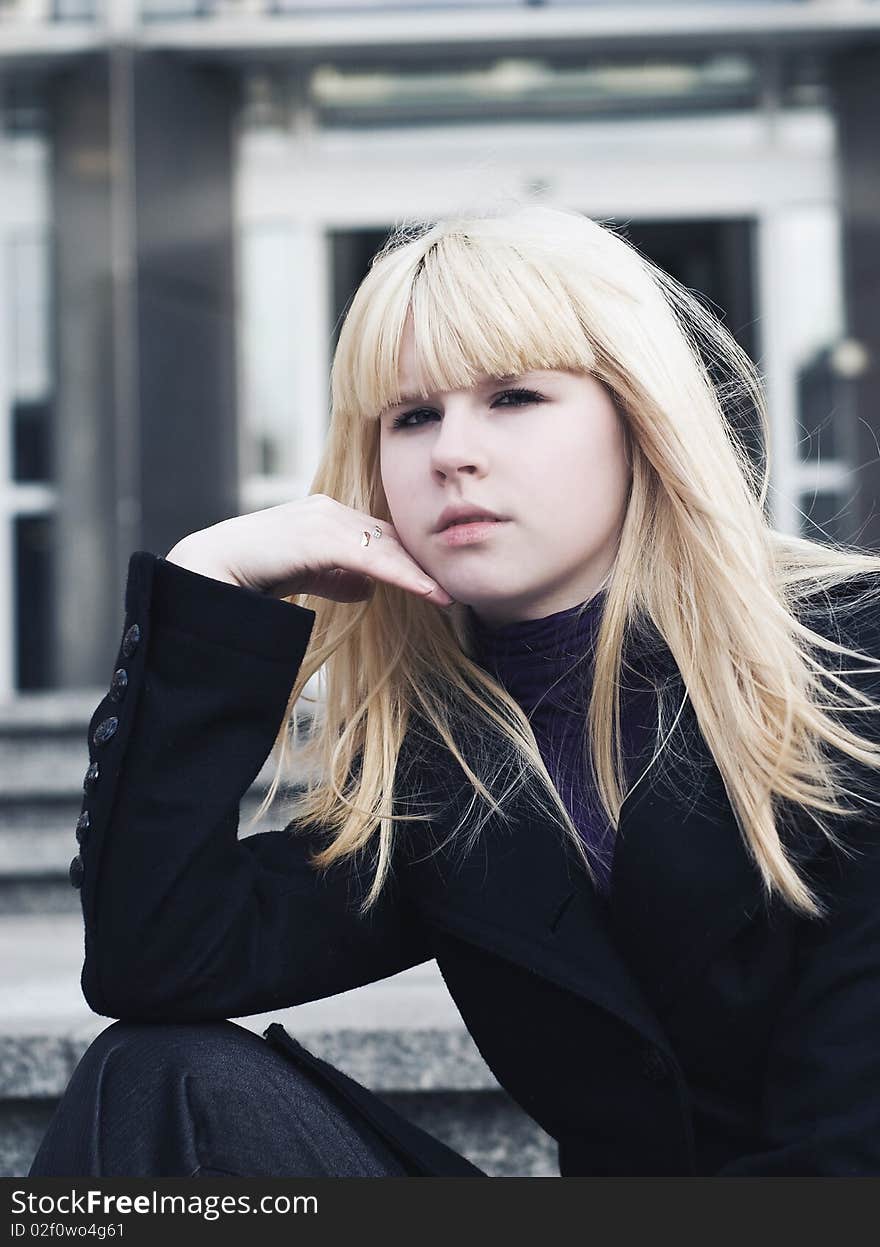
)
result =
(402, 1037)
(53, 709)
(44, 742)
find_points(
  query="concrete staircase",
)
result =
(403, 1037)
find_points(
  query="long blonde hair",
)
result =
(532, 287)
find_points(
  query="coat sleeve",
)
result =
(183, 920)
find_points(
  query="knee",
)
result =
(137, 1047)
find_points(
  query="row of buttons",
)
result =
(105, 731)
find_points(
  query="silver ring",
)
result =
(365, 540)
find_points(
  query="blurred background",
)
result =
(190, 191)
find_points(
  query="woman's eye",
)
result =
(520, 397)
(402, 421)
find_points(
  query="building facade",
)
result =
(190, 190)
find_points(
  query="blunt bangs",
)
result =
(480, 308)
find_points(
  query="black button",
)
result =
(130, 640)
(118, 684)
(76, 872)
(91, 777)
(654, 1065)
(105, 730)
(82, 826)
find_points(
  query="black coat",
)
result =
(684, 1028)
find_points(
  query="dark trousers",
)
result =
(199, 1100)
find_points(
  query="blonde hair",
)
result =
(532, 287)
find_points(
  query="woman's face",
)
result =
(552, 461)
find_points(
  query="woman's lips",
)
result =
(468, 533)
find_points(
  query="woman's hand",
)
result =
(310, 545)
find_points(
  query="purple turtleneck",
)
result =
(535, 660)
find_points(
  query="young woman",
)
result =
(601, 751)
